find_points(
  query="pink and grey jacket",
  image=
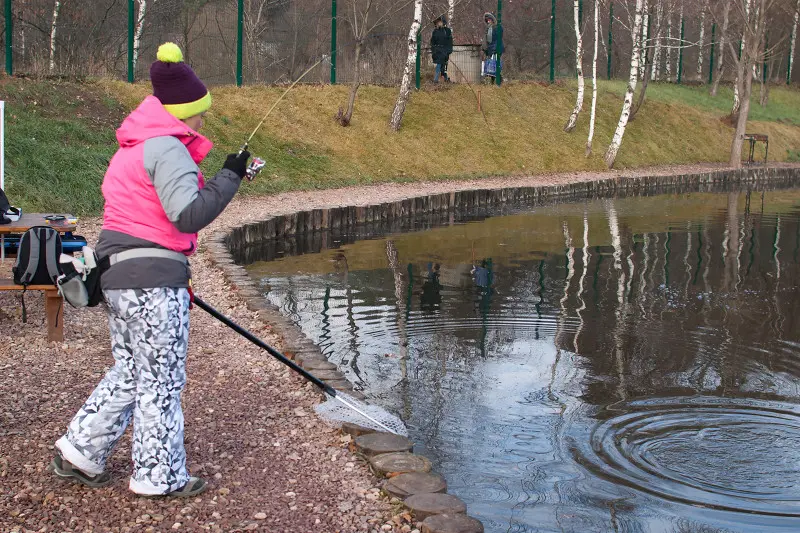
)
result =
(155, 197)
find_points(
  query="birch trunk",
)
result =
(722, 42)
(593, 116)
(405, 85)
(749, 58)
(53, 27)
(680, 44)
(741, 121)
(701, 45)
(616, 142)
(451, 12)
(655, 71)
(643, 42)
(737, 100)
(344, 118)
(137, 37)
(573, 118)
(668, 64)
(794, 40)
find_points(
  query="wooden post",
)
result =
(54, 309)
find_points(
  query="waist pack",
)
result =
(79, 282)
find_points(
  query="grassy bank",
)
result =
(60, 135)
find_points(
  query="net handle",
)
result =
(327, 389)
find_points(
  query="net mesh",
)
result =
(344, 408)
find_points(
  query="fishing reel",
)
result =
(256, 165)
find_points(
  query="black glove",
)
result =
(237, 163)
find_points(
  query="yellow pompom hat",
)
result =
(176, 85)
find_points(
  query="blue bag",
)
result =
(490, 66)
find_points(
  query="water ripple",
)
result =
(727, 454)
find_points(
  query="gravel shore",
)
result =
(250, 428)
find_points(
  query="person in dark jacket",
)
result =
(493, 40)
(441, 48)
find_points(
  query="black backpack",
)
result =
(37, 257)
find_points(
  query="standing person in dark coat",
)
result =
(493, 40)
(441, 48)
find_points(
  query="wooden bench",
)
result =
(53, 306)
(753, 138)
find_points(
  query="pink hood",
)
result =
(151, 120)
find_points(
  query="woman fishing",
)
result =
(156, 202)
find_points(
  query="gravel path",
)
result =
(250, 428)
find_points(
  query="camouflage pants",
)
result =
(149, 336)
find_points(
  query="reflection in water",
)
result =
(629, 365)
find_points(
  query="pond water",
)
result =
(610, 365)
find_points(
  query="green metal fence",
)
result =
(273, 41)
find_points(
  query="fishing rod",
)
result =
(258, 164)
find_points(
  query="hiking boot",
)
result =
(64, 469)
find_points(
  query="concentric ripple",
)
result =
(735, 455)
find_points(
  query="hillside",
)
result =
(60, 134)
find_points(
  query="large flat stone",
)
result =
(354, 429)
(399, 463)
(425, 505)
(451, 523)
(339, 384)
(406, 485)
(328, 375)
(378, 443)
(316, 364)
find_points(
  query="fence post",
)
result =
(131, 9)
(333, 42)
(499, 77)
(711, 61)
(419, 46)
(239, 42)
(9, 39)
(610, 38)
(553, 43)
(680, 52)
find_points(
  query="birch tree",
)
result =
(646, 58)
(644, 39)
(573, 118)
(702, 42)
(655, 72)
(53, 28)
(754, 29)
(358, 17)
(668, 64)
(616, 142)
(405, 85)
(737, 101)
(451, 12)
(593, 116)
(722, 41)
(137, 36)
(678, 65)
(793, 42)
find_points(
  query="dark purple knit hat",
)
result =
(176, 85)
